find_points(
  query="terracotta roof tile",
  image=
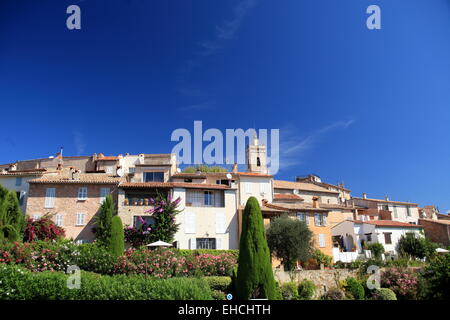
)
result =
(287, 196)
(386, 201)
(292, 185)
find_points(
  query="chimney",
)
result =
(13, 167)
(76, 174)
(235, 168)
(315, 202)
(59, 166)
(364, 195)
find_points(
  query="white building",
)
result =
(351, 234)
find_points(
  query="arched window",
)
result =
(258, 162)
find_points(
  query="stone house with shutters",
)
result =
(72, 199)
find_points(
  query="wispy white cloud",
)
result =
(228, 29)
(79, 143)
(225, 31)
(293, 145)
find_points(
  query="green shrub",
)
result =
(334, 294)
(384, 294)
(289, 291)
(219, 283)
(20, 284)
(377, 249)
(116, 241)
(435, 279)
(322, 258)
(214, 252)
(306, 290)
(355, 288)
(218, 295)
(95, 259)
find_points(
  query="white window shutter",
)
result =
(248, 187)
(192, 243)
(324, 219)
(189, 222)
(218, 244)
(220, 222)
(50, 197)
(322, 240)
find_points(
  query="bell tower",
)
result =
(256, 157)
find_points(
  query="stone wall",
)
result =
(323, 279)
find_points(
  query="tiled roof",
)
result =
(173, 185)
(294, 207)
(292, 185)
(386, 201)
(108, 158)
(390, 224)
(24, 172)
(437, 221)
(86, 178)
(252, 174)
(287, 196)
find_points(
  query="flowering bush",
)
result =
(166, 263)
(40, 255)
(163, 212)
(42, 229)
(404, 283)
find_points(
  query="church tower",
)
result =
(256, 157)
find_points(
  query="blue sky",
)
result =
(369, 108)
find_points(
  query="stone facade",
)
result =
(437, 230)
(323, 279)
(66, 203)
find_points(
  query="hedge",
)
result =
(18, 283)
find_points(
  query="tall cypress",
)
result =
(103, 221)
(254, 276)
(12, 219)
(116, 241)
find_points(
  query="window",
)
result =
(103, 193)
(18, 181)
(131, 169)
(59, 220)
(206, 243)
(258, 162)
(263, 188)
(408, 211)
(50, 198)
(302, 216)
(153, 176)
(387, 237)
(188, 180)
(140, 220)
(80, 219)
(395, 212)
(195, 198)
(322, 243)
(209, 198)
(386, 207)
(320, 220)
(82, 193)
(368, 237)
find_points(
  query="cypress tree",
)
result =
(103, 221)
(116, 241)
(254, 277)
(12, 219)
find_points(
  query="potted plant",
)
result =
(146, 201)
(125, 202)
